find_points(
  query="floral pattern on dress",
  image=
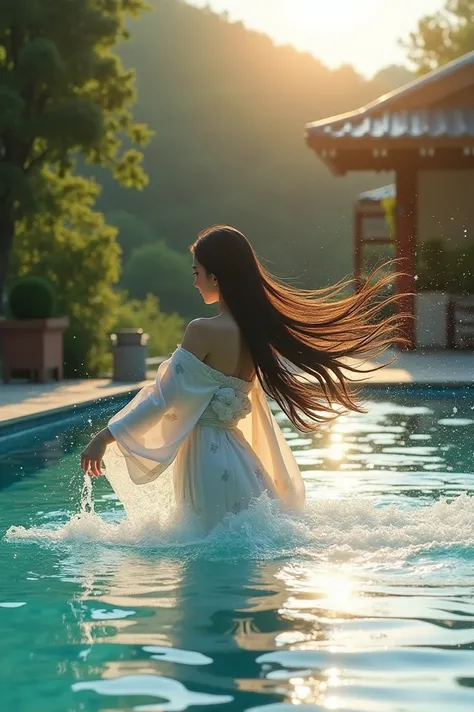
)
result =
(229, 404)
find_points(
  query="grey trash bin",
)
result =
(129, 354)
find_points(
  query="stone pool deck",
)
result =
(426, 368)
(20, 403)
(31, 401)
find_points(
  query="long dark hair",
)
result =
(289, 330)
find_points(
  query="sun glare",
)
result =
(311, 15)
(364, 33)
(308, 24)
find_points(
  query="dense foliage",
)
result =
(63, 91)
(78, 253)
(442, 37)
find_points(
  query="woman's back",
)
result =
(216, 471)
(227, 351)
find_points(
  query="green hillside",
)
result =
(229, 109)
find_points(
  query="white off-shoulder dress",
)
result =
(216, 432)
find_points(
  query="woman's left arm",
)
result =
(91, 456)
(151, 427)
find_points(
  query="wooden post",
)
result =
(406, 250)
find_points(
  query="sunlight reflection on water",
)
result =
(364, 602)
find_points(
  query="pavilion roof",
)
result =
(434, 110)
(417, 123)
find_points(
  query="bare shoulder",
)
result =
(217, 342)
(218, 328)
(197, 337)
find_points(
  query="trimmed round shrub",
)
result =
(32, 298)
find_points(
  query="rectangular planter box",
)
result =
(33, 345)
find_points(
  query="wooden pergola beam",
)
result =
(341, 162)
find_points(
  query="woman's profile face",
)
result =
(206, 284)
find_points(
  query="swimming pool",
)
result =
(363, 603)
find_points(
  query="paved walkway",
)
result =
(452, 368)
(31, 401)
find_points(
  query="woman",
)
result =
(207, 414)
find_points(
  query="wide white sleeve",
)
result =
(151, 427)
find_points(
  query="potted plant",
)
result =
(32, 336)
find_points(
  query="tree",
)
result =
(164, 330)
(159, 270)
(62, 92)
(78, 253)
(393, 76)
(133, 232)
(442, 37)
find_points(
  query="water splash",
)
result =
(87, 498)
(327, 530)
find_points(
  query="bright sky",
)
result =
(363, 33)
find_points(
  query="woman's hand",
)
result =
(91, 456)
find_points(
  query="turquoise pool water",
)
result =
(365, 602)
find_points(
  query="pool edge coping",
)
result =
(51, 415)
(34, 420)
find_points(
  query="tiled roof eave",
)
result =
(434, 125)
(425, 92)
